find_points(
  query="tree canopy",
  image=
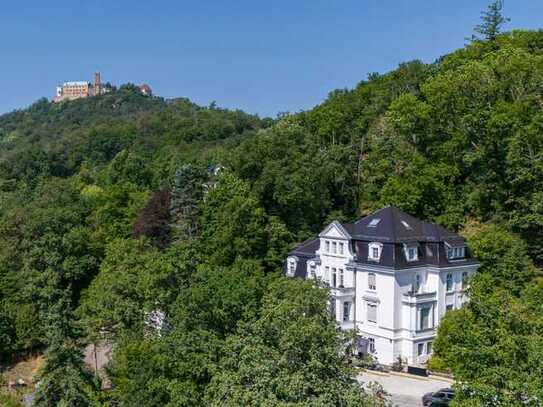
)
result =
(121, 207)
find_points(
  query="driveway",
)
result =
(406, 390)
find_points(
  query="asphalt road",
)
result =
(406, 390)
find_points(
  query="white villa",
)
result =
(392, 278)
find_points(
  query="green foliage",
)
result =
(492, 22)
(493, 345)
(7, 334)
(291, 355)
(234, 224)
(86, 229)
(187, 194)
(134, 279)
(503, 256)
(174, 369)
(64, 380)
(9, 400)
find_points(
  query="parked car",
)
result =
(439, 398)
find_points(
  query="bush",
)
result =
(436, 364)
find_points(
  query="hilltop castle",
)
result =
(83, 89)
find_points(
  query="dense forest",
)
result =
(121, 207)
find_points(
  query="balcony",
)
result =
(341, 291)
(421, 297)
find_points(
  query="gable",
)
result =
(335, 230)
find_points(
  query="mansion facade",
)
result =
(392, 278)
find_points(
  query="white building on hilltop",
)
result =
(392, 277)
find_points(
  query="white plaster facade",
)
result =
(396, 309)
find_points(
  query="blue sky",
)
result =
(262, 57)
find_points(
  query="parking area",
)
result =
(406, 390)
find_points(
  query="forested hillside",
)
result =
(123, 206)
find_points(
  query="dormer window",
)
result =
(327, 246)
(291, 266)
(411, 252)
(459, 252)
(312, 271)
(334, 247)
(455, 251)
(374, 251)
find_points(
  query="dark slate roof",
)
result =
(304, 252)
(307, 248)
(395, 226)
(394, 229)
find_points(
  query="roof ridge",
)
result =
(306, 241)
(394, 213)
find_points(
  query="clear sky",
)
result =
(264, 57)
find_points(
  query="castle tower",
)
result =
(97, 84)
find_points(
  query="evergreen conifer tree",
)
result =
(492, 21)
(187, 193)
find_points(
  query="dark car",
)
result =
(439, 398)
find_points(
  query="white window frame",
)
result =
(430, 318)
(292, 263)
(312, 271)
(449, 282)
(371, 305)
(334, 247)
(341, 278)
(408, 249)
(341, 248)
(347, 315)
(371, 345)
(371, 286)
(327, 246)
(333, 279)
(371, 247)
(420, 349)
(456, 252)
